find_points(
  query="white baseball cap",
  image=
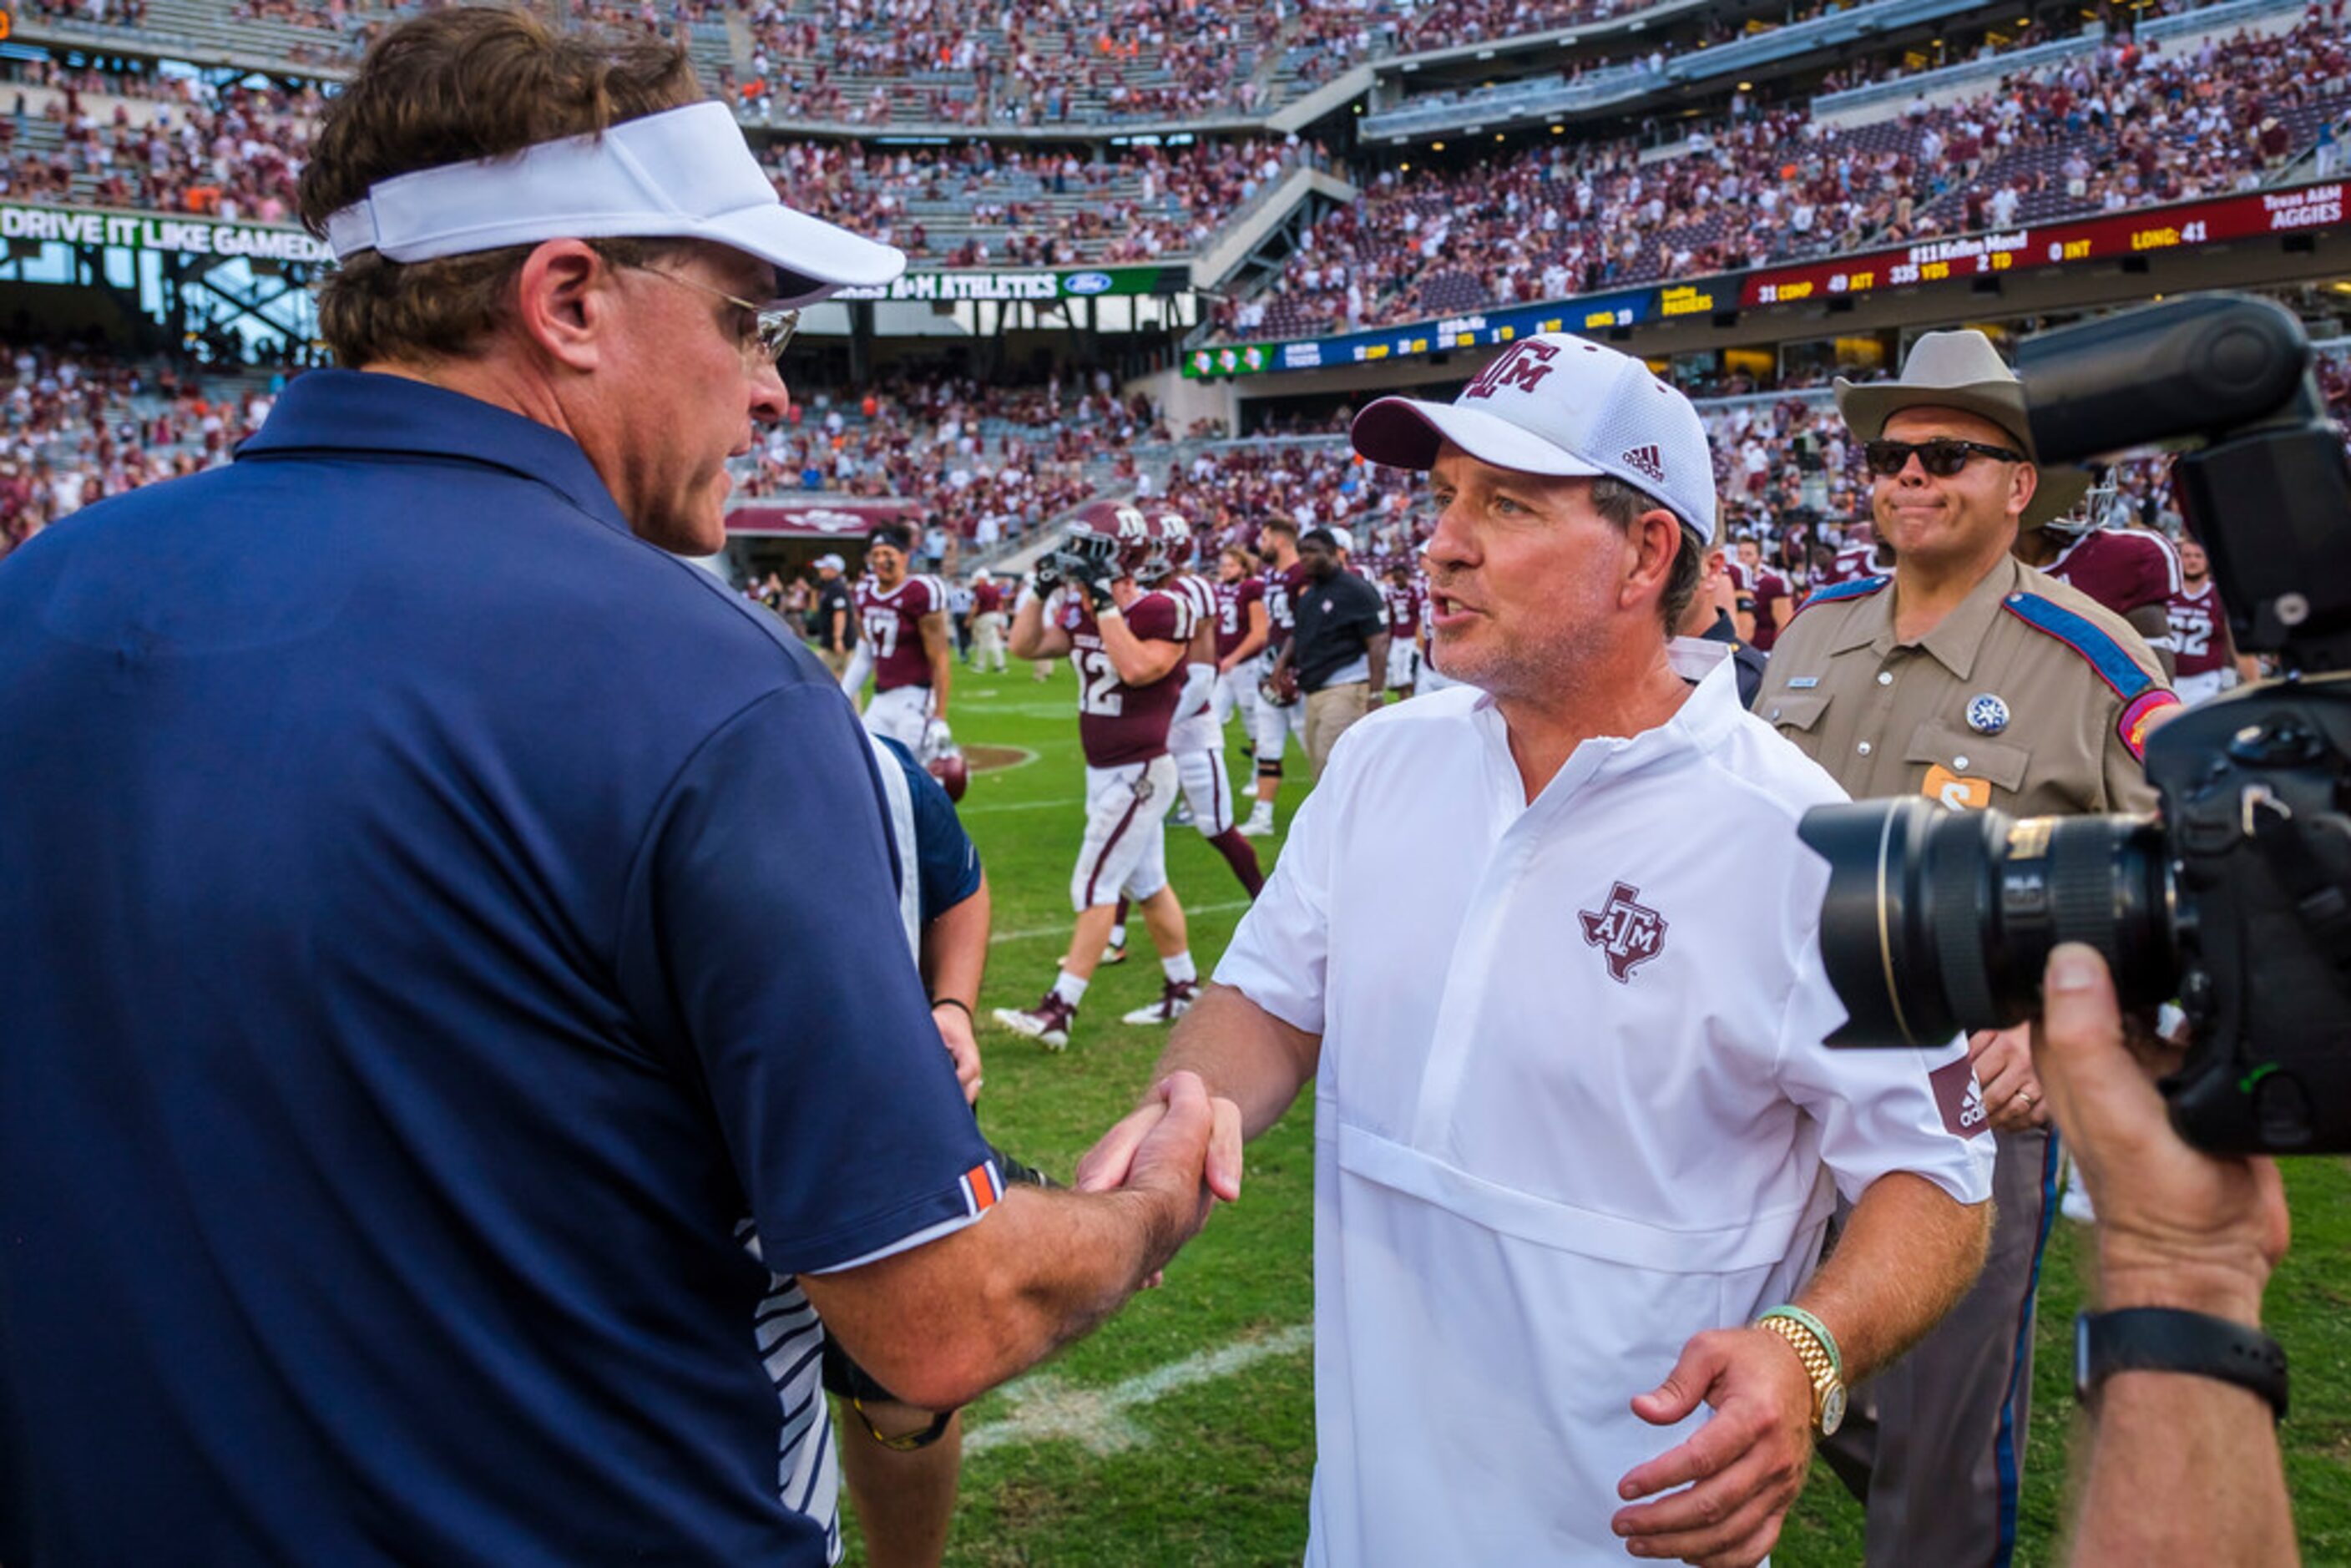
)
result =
(1558, 405)
(683, 174)
(834, 562)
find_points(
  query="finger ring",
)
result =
(2027, 1096)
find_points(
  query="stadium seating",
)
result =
(1025, 206)
(156, 145)
(76, 425)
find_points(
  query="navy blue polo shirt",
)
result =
(946, 862)
(438, 918)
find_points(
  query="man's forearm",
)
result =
(1243, 1053)
(1249, 647)
(1376, 654)
(1041, 1269)
(2183, 1469)
(1138, 663)
(955, 949)
(941, 649)
(1908, 1253)
(1026, 640)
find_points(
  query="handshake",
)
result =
(1181, 1146)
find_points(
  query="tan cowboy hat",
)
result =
(1962, 371)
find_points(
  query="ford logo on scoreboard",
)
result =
(1088, 282)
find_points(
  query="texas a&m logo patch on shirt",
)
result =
(1628, 931)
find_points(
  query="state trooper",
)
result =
(1966, 676)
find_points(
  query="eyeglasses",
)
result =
(772, 326)
(1942, 457)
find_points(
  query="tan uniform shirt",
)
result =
(1987, 709)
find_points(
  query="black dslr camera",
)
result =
(2236, 898)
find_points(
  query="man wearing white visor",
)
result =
(1577, 1136)
(471, 928)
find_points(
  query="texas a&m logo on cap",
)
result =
(1627, 932)
(1523, 366)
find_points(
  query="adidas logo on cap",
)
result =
(1647, 460)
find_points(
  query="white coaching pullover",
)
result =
(1572, 1105)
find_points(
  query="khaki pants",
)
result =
(838, 662)
(1329, 712)
(989, 635)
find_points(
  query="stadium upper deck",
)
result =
(2112, 126)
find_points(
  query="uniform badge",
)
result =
(1954, 793)
(1803, 683)
(1987, 715)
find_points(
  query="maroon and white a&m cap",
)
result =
(1559, 405)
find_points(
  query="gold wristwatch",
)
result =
(1817, 1348)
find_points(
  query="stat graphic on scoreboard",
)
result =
(2103, 238)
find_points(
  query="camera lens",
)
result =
(1937, 922)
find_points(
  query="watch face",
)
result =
(1833, 1410)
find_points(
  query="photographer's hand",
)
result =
(2177, 1228)
(2181, 1467)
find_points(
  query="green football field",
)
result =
(1182, 1431)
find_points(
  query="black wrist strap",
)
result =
(938, 1002)
(2168, 1339)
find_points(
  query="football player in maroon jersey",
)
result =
(1857, 558)
(1128, 646)
(2131, 571)
(1242, 631)
(901, 620)
(1277, 722)
(1770, 603)
(1197, 736)
(1406, 600)
(2208, 662)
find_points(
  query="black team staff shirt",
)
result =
(1337, 619)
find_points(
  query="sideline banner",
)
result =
(1043, 283)
(183, 233)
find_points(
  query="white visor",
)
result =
(685, 174)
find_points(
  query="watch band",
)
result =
(2169, 1339)
(1824, 1366)
(1813, 1326)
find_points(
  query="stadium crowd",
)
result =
(2120, 125)
(76, 426)
(233, 153)
(987, 463)
(1049, 207)
(865, 61)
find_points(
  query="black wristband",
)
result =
(2168, 1339)
(938, 1002)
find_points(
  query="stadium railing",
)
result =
(1635, 79)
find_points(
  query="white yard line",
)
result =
(1045, 1406)
(1017, 805)
(1063, 929)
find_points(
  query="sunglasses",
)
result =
(772, 326)
(1942, 457)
